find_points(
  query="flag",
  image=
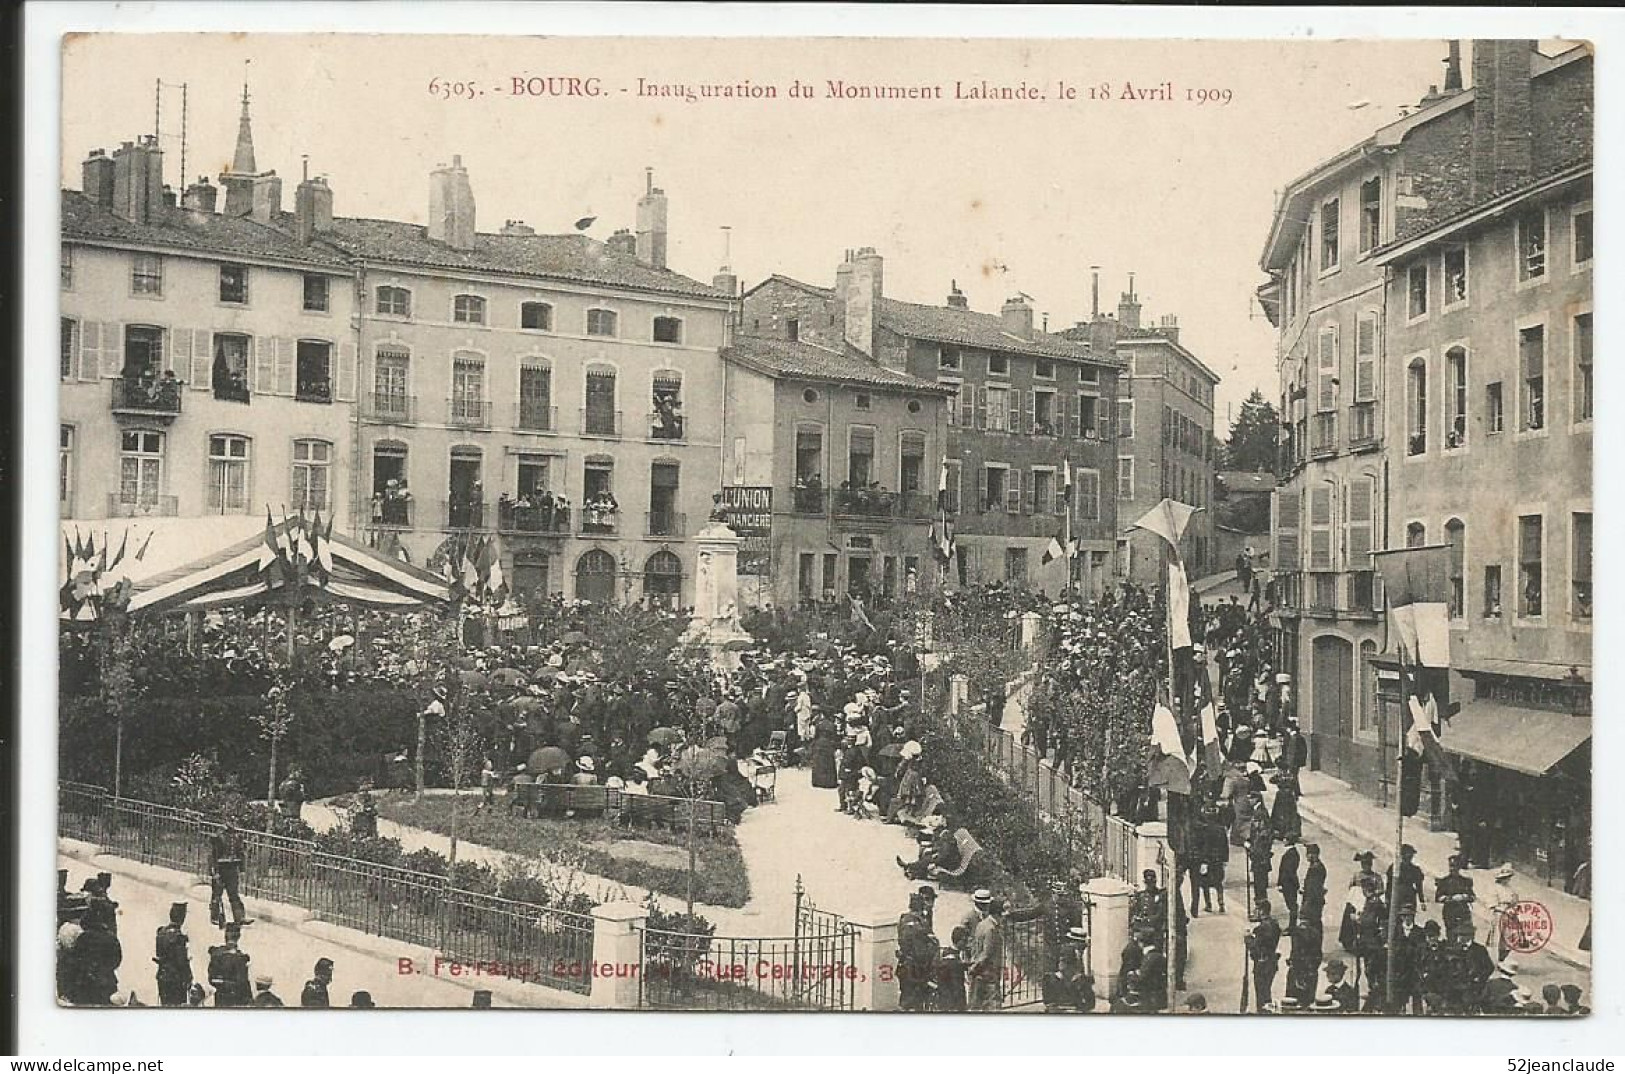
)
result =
(492, 557)
(123, 546)
(1416, 586)
(272, 551)
(1211, 757)
(1179, 605)
(1167, 520)
(141, 553)
(321, 540)
(942, 530)
(471, 571)
(1169, 768)
(1053, 551)
(858, 614)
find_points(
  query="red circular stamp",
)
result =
(1526, 926)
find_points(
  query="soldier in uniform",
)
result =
(1286, 880)
(1258, 860)
(228, 971)
(1314, 884)
(226, 874)
(315, 993)
(1372, 945)
(1410, 880)
(1263, 949)
(263, 996)
(97, 955)
(916, 954)
(172, 959)
(1303, 960)
(1454, 894)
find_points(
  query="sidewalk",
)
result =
(1337, 807)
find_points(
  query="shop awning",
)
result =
(1524, 740)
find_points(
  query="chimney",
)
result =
(1094, 293)
(169, 196)
(956, 297)
(313, 208)
(864, 284)
(623, 242)
(97, 178)
(1168, 327)
(138, 187)
(517, 227)
(726, 282)
(652, 222)
(1452, 68)
(1503, 115)
(266, 203)
(1128, 307)
(200, 196)
(451, 206)
(1017, 317)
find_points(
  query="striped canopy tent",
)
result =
(203, 563)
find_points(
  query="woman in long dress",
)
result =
(823, 754)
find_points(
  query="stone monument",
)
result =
(715, 624)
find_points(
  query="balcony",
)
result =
(665, 524)
(146, 398)
(231, 391)
(595, 422)
(808, 501)
(535, 417)
(520, 517)
(468, 413)
(1365, 426)
(599, 521)
(864, 503)
(1323, 436)
(391, 512)
(314, 391)
(667, 426)
(389, 408)
(1334, 594)
(141, 505)
(464, 515)
(916, 505)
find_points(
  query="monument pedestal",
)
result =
(716, 596)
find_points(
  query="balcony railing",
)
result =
(390, 408)
(535, 417)
(916, 505)
(228, 392)
(808, 501)
(665, 524)
(600, 422)
(1365, 428)
(468, 413)
(598, 521)
(667, 426)
(1347, 594)
(392, 512)
(1323, 435)
(141, 506)
(864, 503)
(464, 515)
(147, 397)
(514, 517)
(314, 391)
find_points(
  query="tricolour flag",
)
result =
(1167, 520)
(1169, 766)
(141, 553)
(942, 529)
(491, 556)
(1416, 588)
(272, 550)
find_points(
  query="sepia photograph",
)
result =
(1027, 526)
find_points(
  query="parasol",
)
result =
(341, 643)
(474, 678)
(702, 763)
(665, 736)
(548, 759)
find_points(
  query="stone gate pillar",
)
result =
(617, 955)
(1107, 902)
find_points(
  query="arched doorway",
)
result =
(595, 577)
(663, 580)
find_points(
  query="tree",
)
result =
(1253, 435)
(273, 720)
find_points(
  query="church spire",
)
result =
(243, 162)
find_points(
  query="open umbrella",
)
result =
(341, 643)
(702, 763)
(524, 703)
(665, 736)
(547, 674)
(548, 759)
(508, 677)
(576, 637)
(474, 678)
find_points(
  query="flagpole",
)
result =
(1399, 839)
(1172, 896)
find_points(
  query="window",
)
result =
(1580, 564)
(952, 402)
(1326, 384)
(1455, 376)
(316, 288)
(314, 380)
(947, 357)
(389, 382)
(993, 487)
(1416, 535)
(67, 265)
(141, 467)
(860, 456)
(468, 309)
(391, 497)
(667, 330)
(64, 470)
(1416, 407)
(792, 330)
(143, 352)
(229, 374)
(1455, 535)
(998, 410)
(1583, 397)
(667, 420)
(1531, 246)
(228, 474)
(599, 417)
(1328, 235)
(861, 401)
(1582, 239)
(536, 396)
(1086, 494)
(1455, 276)
(806, 563)
(1494, 409)
(1368, 686)
(599, 509)
(147, 274)
(1045, 422)
(394, 302)
(663, 580)
(1043, 487)
(1370, 214)
(467, 390)
(1125, 419)
(312, 466)
(536, 315)
(1088, 417)
(70, 347)
(1530, 591)
(1044, 368)
(809, 458)
(1125, 477)
(1532, 369)
(911, 465)
(1015, 566)
(1416, 290)
(601, 322)
(665, 477)
(234, 284)
(1089, 374)
(1492, 591)
(998, 365)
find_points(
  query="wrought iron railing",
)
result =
(595, 422)
(141, 505)
(864, 503)
(515, 517)
(665, 524)
(808, 501)
(468, 412)
(535, 417)
(147, 396)
(390, 408)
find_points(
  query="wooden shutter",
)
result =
(1030, 492)
(1361, 494)
(1285, 507)
(112, 363)
(264, 365)
(1320, 528)
(1012, 493)
(1365, 359)
(1060, 496)
(967, 405)
(981, 488)
(1032, 411)
(202, 373)
(981, 407)
(90, 350)
(1327, 394)
(284, 365)
(344, 386)
(178, 354)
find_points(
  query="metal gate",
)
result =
(826, 956)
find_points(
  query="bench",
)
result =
(969, 851)
(662, 811)
(915, 818)
(559, 799)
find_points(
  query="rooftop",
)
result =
(193, 231)
(783, 358)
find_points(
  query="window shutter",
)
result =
(1103, 419)
(1032, 410)
(1075, 416)
(178, 355)
(112, 349)
(264, 365)
(1012, 497)
(1320, 528)
(1060, 496)
(1030, 481)
(1361, 495)
(344, 389)
(1365, 359)
(981, 408)
(967, 405)
(981, 488)
(1285, 523)
(284, 365)
(90, 350)
(1328, 370)
(201, 376)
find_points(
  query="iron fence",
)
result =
(690, 971)
(1027, 960)
(520, 941)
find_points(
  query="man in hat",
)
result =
(1572, 995)
(172, 958)
(1286, 881)
(1454, 894)
(1409, 892)
(917, 952)
(1263, 950)
(226, 874)
(961, 935)
(1130, 959)
(1149, 907)
(315, 991)
(1341, 995)
(263, 996)
(1366, 879)
(984, 967)
(1154, 974)
(362, 1001)
(1497, 996)
(1307, 947)
(1259, 859)
(228, 971)
(1069, 988)
(1294, 749)
(1130, 998)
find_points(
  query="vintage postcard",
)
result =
(826, 525)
